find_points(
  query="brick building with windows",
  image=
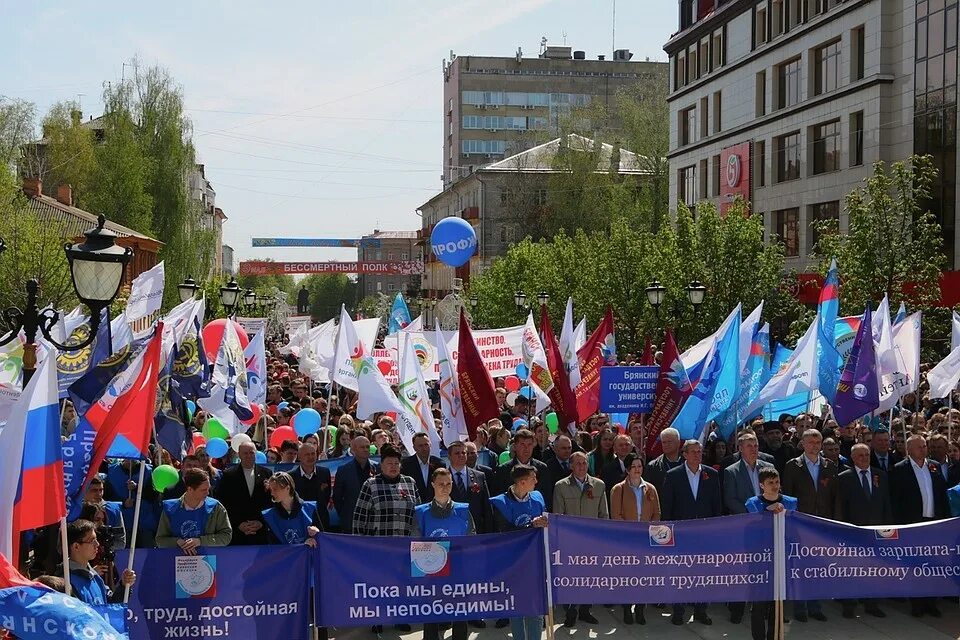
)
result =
(789, 102)
(395, 246)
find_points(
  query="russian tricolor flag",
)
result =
(31, 491)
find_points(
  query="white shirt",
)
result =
(307, 476)
(753, 472)
(425, 471)
(926, 487)
(694, 478)
(251, 477)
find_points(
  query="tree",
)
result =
(16, 129)
(265, 283)
(70, 156)
(327, 292)
(893, 245)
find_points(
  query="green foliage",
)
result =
(327, 292)
(893, 245)
(16, 128)
(264, 285)
(70, 157)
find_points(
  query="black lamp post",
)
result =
(657, 294)
(230, 296)
(96, 269)
(187, 289)
(543, 298)
(249, 300)
(520, 299)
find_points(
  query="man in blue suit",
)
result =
(691, 491)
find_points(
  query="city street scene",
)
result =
(527, 319)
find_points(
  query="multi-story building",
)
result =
(226, 259)
(788, 103)
(498, 200)
(395, 246)
(211, 216)
(494, 107)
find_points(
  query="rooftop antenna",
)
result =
(613, 37)
(80, 101)
(564, 37)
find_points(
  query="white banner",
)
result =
(146, 294)
(293, 324)
(252, 326)
(500, 349)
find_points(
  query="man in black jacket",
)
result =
(523, 443)
(242, 492)
(349, 480)
(312, 482)
(655, 471)
(863, 499)
(420, 465)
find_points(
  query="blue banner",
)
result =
(827, 559)
(378, 580)
(224, 592)
(316, 242)
(38, 613)
(628, 389)
(728, 559)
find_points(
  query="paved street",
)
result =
(898, 625)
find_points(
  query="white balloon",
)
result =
(239, 439)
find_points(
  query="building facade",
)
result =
(495, 107)
(395, 246)
(788, 103)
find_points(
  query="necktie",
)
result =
(460, 486)
(865, 481)
(883, 463)
(565, 465)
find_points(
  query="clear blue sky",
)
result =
(318, 119)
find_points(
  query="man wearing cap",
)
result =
(774, 445)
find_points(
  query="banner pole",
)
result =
(949, 423)
(65, 550)
(779, 572)
(136, 525)
(546, 558)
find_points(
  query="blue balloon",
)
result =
(522, 372)
(453, 241)
(519, 423)
(191, 406)
(217, 447)
(283, 405)
(527, 392)
(260, 457)
(306, 421)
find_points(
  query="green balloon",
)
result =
(164, 477)
(213, 428)
(373, 449)
(553, 422)
(504, 457)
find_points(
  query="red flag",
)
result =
(673, 387)
(476, 386)
(133, 411)
(648, 358)
(10, 577)
(563, 398)
(599, 350)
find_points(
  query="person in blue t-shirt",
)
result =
(290, 520)
(195, 519)
(770, 499)
(520, 507)
(85, 583)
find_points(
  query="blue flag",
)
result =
(170, 421)
(91, 385)
(72, 365)
(828, 374)
(752, 380)
(858, 392)
(191, 369)
(399, 315)
(35, 613)
(794, 403)
(901, 315)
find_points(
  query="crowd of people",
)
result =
(902, 470)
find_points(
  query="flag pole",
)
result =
(136, 526)
(65, 550)
(326, 422)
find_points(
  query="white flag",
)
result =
(797, 375)
(906, 347)
(349, 349)
(568, 348)
(955, 333)
(580, 334)
(944, 377)
(230, 373)
(255, 355)
(120, 333)
(146, 293)
(323, 342)
(412, 392)
(535, 357)
(454, 424)
(367, 332)
(883, 340)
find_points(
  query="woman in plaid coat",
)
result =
(387, 501)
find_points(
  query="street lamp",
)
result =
(474, 300)
(96, 269)
(520, 299)
(187, 289)
(656, 293)
(543, 298)
(3, 246)
(695, 294)
(249, 299)
(230, 295)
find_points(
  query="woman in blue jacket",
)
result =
(290, 520)
(443, 518)
(770, 499)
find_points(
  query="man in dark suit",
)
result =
(420, 465)
(470, 486)
(473, 461)
(741, 481)
(864, 500)
(812, 480)
(523, 443)
(242, 492)
(615, 471)
(774, 445)
(655, 472)
(919, 494)
(881, 456)
(691, 491)
(559, 463)
(938, 448)
(313, 482)
(349, 480)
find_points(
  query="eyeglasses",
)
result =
(94, 542)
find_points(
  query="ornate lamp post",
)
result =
(187, 289)
(230, 296)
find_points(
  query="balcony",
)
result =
(470, 213)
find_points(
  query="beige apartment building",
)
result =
(395, 246)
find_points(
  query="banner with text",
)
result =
(315, 242)
(628, 389)
(252, 325)
(392, 267)
(827, 559)
(500, 349)
(417, 580)
(294, 324)
(727, 559)
(226, 592)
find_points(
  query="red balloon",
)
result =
(256, 415)
(271, 409)
(510, 383)
(198, 441)
(281, 435)
(213, 336)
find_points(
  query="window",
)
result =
(704, 56)
(716, 176)
(704, 177)
(794, 13)
(819, 213)
(503, 234)
(719, 54)
(777, 17)
(688, 126)
(680, 71)
(826, 147)
(858, 41)
(540, 197)
(717, 101)
(379, 255)
(788, 86)
(760, 154)
(704, 116)
(391, 287)
(694, 69)
(826, 72)
(856, 139)
(761, 99)
(786, 224)
(788, 157)
(379, 286)
(688, 185)
(761, 27)
(391, 255)
(496, 147)
(404, 255)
